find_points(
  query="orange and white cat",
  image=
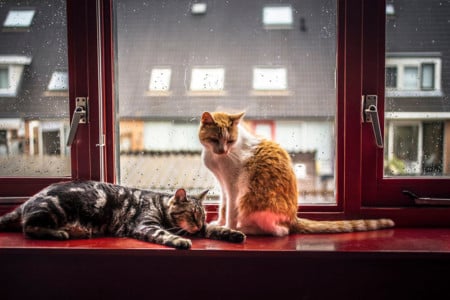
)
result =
(258, 184)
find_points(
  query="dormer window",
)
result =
(11, 70)
(19, 18)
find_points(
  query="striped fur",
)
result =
(258, 184)
(86, 209)
(311, 226)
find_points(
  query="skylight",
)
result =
(390, 9)
(19, 18)
(198, 8)
(278, 17)
(160, 79)
(207, 79)
(269, 79)
(59, 81)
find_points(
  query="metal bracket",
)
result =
(80, 116)
(370, 115)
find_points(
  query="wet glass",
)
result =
(34, 107)
(177, 59)
(417, 107)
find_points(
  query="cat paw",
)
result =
(61, 235)
(181, 243)
(237, 236)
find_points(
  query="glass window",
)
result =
(4, 78)
(160, 80)
(278, 17)
(19, 18)
(13, 67)
(269, 79)
(411, 78)
(59, 81)
(198, 8)
(427, 78)
(422, 89)
(391, 77)
(390, 9)
(225, 61)
(207, 79)
(34, 128)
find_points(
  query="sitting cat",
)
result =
(83, 209)
(258, 185)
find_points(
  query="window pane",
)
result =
(203, 79)
(160, 80)
(33, 124)
(417, 113)
(19, 18)
(59, 81)
(410, 78)
(427, 76)
(277, 17)
(391, 77)
(4, 78)
(223, 58)
(269, 79)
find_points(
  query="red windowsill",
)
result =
(399, 240)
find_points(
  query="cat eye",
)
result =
(213, 140)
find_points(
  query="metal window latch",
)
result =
(427, 200)
(370, 115)
(80, 116)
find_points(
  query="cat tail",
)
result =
(11, 220)
(311, 226)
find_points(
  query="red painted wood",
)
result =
(109, 90)
(352, 102)
(389, 264)
(405, 240)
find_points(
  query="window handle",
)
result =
(79, 116)
(427, 200)
(370, 115)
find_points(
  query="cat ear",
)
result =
(202, 195)
(180, 195)
(207, 118)
(236, 118)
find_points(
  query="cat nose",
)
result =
(221, 150)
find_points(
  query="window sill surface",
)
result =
(399, 240)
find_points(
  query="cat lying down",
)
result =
(85, 209)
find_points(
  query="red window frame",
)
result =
(381, 195)
(360, 71)
(83, 61)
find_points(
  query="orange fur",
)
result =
(259, 187)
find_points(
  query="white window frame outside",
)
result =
(415, 166)
(19, 18)
(401, 63)
(15, 66)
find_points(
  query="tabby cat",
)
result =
(84, 209)
(258, 185)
